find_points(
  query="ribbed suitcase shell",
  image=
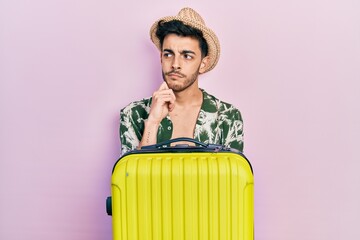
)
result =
(183, 195)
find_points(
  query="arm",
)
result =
(136, 131)
(163, 102)
(234, 136)
(150, 133)
(129, 130)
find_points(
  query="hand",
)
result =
(163, 102)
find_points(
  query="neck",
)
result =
(190, 96)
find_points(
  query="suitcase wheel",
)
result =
(108, 206)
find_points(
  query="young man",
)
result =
(179, 108)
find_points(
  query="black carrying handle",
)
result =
(181, 139)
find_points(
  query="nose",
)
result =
(175, 64)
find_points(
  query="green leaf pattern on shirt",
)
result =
(218, 123)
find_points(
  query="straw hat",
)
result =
(189, 17)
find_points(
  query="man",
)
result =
(179, 108)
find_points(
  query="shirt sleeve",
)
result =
(233, 130)
(128, 129)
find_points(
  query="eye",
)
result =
(167, 54)
(187, 56)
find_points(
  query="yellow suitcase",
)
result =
(182, 192)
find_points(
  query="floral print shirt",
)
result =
(218, 123)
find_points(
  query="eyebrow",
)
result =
(187, 52)
(168, 50)
(182, 52)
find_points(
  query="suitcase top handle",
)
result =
(167, 143)
(166, 148)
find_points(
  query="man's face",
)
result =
(181, 61)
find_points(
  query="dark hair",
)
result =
(179, 28)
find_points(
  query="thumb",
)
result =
(171, 106)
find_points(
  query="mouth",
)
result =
(175, 75)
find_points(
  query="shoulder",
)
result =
(140, 106)
(212, 104)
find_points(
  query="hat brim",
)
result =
(210, 37)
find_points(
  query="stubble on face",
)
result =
(182, 83)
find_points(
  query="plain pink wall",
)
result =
(68, 67)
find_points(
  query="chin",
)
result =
(171, 84)
(174, 87)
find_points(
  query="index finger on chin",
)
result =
(163, 86)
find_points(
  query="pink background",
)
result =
(67, 67)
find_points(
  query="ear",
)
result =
(160, 57)
(203, 65)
